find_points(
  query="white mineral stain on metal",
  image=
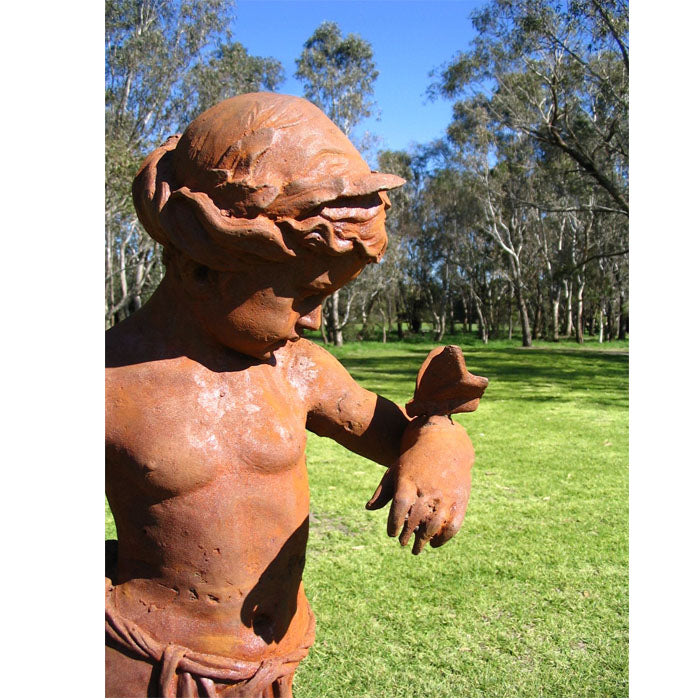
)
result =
(303, 375)
(205, 442)
(210, 397)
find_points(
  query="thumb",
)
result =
(384, 492)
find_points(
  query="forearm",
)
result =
(369, 425)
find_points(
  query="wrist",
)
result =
(423, 420)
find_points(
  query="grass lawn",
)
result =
(530, 599)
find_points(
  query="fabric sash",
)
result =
(251, 677)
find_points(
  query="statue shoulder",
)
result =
(307, 355)
(303, 362)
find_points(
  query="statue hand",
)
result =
(429, 484)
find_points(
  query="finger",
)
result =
(384, 492)
(399, 510)
(449, 531)
(426, 531)
(413, 520)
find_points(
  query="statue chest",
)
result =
(174, 432)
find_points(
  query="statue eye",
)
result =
(201, 273)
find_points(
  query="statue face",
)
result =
(259, 308)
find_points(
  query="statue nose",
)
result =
(312, 320)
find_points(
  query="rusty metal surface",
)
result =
(264, 208)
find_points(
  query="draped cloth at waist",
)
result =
(187, 673)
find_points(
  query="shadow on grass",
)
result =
(535, 375)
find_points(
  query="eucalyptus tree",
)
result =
(338, 74)
(445, 210)
(165, 60)
(483, 281)
(554, 191)
(549, 78)
(403, 292)
(557, 72)
(502, 168)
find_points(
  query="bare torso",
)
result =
(206, 478)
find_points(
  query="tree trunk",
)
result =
(600, 329)
(621, 310)
(483, 330)
(389, 314)
(323, 323)
(398, 298)
(621, 331)
(539, 314)
(539, 319)
(440, 325)
(555, 316)
(138, 286)
(383, 314)
(364, 329)
(335, 330)
(524, 320)
(510, 312)
(579, 311)
(415, 320)
(568, 292)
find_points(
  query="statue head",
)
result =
(272, 209)
(262, 174)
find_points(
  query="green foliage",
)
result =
(524, 206)
(151, 45)
(338, 75)
(166, 61)
(555, 73)
(530, 599)
(230, 71)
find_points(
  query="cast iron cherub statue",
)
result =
(264, 208)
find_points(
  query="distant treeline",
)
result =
(518, 216)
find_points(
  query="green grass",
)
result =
(531, 597)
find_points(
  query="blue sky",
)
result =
(409, 38)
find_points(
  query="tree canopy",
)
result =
(338, 75)
(515, 222)
(166, 62)
(556, 73)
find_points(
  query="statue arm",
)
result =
(339, 408)
(429, 458)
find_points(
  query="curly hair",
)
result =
(262, 174)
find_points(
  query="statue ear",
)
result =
(198, 280)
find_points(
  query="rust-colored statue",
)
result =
(264, 208)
